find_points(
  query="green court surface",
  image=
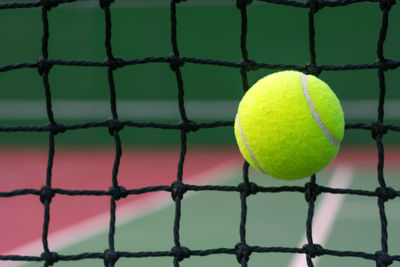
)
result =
(357, 226)
(211, 220)
(77, 33)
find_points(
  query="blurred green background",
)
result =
(206, 29)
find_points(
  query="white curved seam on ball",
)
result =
(315, 113)
(247, 145)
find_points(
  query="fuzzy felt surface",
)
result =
(279, 127)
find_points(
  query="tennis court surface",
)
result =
(117, 144)
(209, 219)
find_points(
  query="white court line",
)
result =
(14, 109)
(125, 213)
(326, 213)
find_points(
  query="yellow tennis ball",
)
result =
(289, 125)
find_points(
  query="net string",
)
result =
(312, 249)
(178, 190)
(47, 191)
(384, 258)
(242, 250)
(110, 256)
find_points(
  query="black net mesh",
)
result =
(178, 253)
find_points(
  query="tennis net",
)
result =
(242, 250)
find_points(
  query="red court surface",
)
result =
(91, 168)
(85, 169)
(366, 158)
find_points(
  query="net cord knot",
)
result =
(118, 192)
(386, 4)
(312, 190)
(49, 4)
(181, 253)
(46, 193)
(49, 257)
(114, 62)
(175, 62)
(178, 189)
(105, 3)
(385, 64)
(114, 125)
(189, 126)
(386, 193)
(243, 251)
(248, 65)
(56, 127)
(110, 257)
(249, 188)
(243, 3)
(313, 69)
(378, 128)
(313, 250)
(315, 5)
(43, 66)
(383, 259)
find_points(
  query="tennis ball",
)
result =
(289, 125)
